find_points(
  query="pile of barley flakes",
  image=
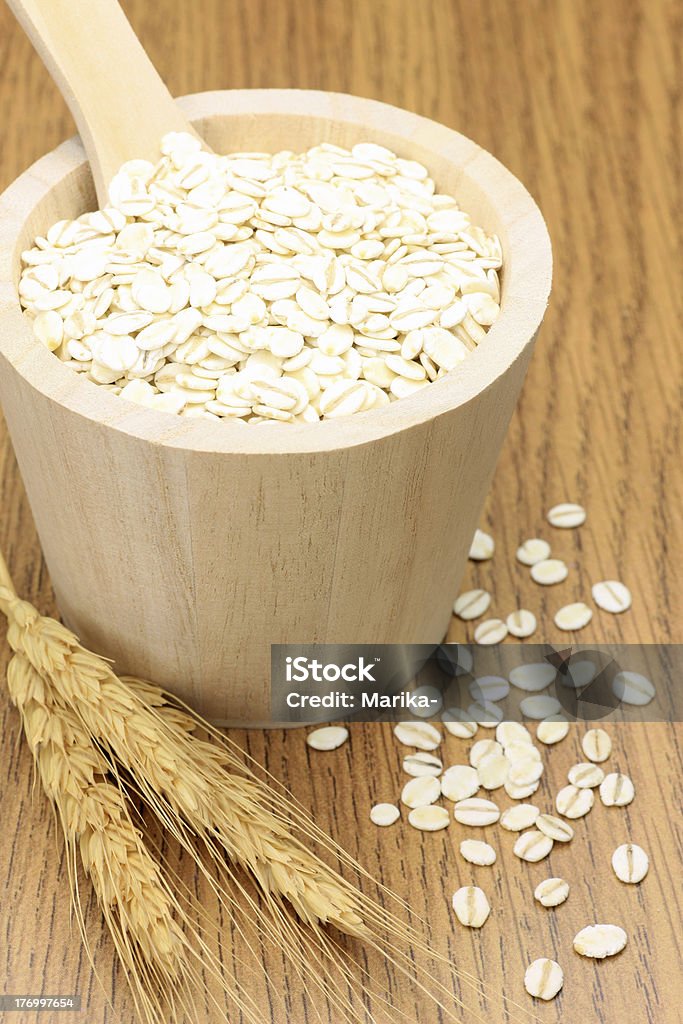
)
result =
(512, 763)
(264, 287)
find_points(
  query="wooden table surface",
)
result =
(583, 102)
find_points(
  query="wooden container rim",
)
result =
(527, 277)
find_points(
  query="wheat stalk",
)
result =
(176, 772)
(97, 738)
(137, 904)
(147, 922)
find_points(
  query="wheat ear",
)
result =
(150, 926)
(137, 904)
(199, 789)
(186, 774)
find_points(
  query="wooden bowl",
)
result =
(183, 548)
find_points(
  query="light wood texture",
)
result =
(582, 102)
(118, 101)
(248, 537)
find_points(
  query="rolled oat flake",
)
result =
(596, 745)
(422, 735)
(573, 616)
(517, 751)
(329, 737)
(550, 571)
(482, 547)
(543, 979)
(486, 713)
(532, 551)
(476, 812)
(471, 906)
(540, 706)
(490, 631)
(630, 863)
(556, 829)
(519, 818)
(516, 792)
(551, 892)
(572, 802)
(482, 749)
(472, 604)
(612, 596)
(600, 940)
(492, 688)
(508, 733)
(420, 792)
(552, 729)
(493, 771)
(421, 764)
(525, 771)
(567, 515)
(384, 814)
(457, 724)
(477, 852)
(459, 782)
(532, 846)
(616, 790)
(429, 819)
(585, 775)
(521, 623)
(535, 676)
(633, 688)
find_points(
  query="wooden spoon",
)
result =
(119, 103)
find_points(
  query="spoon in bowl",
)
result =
(119, 102)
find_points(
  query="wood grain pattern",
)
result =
(583, 102)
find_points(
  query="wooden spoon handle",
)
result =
(119, 102)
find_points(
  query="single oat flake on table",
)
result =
(600, 940)
(421, 791)
(328, 737)
(471, 906)
(472, 604)
(476, 852)
(543, 978)
(459, 782)
(532, 846)
(519, 817)
(429, 819)
(630, 863)
(585, 775)
(521, 623)
(551, 892)
(572, 802)
(532, 551)
(261, 288)
(384, 815)
(552, 729)
(422, 764)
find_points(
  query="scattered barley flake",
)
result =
(384, 814)
(543, 979)
(329, 737)
(482, 547)
(600, 940)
